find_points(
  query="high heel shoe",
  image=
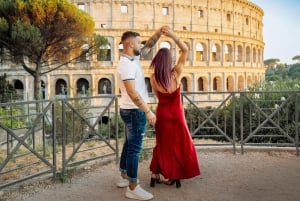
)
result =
(170, 182)
(155, 178)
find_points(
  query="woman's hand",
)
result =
(151, 117)
(165, 30)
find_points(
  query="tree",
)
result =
(296, 58)
(7, 91)
(44, 35)
(271, 63)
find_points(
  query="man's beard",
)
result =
(136, 52)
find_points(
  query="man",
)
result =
(134, 110)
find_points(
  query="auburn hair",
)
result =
(162, 65)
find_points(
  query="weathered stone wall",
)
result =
(225, 39)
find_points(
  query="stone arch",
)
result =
(215, 52)
(19, 86)
(202, 84)
(228, 52)
(148, 84)
(248, 54)
(104, 86)
(120, 48)
(184, 85)
(254, 55)
(61, 87)
(43, 89)
(230, 83)
(165, 44)
(82, 86)
(104, 53)
(249, 81)
(241, 83)
(201, 52)
(259, 56)
(217, 83)
(84, 53)
(239, 53)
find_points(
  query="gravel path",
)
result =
(254, 176)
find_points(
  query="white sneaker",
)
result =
(138, 193)
(122, 182)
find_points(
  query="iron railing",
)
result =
(53, 136)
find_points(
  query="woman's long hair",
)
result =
(162, 65)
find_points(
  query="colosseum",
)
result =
(224, 37)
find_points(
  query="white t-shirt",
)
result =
(129, 68)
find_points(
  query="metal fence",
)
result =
(53, 136)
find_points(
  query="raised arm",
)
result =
(182, 46)
(151, 42)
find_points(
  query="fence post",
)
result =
(297, 122)
(241, 122)
(117, 127)
(233, 122)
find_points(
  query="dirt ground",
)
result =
(253, 176)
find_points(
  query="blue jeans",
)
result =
(135, 126)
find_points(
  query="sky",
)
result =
(281, 29)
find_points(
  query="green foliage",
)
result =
(294, 71)
(66, 176)
(296, 58)
(42, 31)
(7, 91)
(278, 74)
(75, 125)
(270, 63)
(100, 47)
(12, 118)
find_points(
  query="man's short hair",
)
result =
(129, 34)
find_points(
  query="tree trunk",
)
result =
(37, 86)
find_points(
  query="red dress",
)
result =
(174, 155)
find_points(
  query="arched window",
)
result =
(104, 86)
(248, 55)
(148, 84)
(228, 53)
(61, 87)
(18, 85)
(199, 52)
(241, 83)
(82, 86)
(120, 48)
(165, 44)
(43, 90)
(200, 84)
(215, 52)
(84, 53)
(104, 53)
(254, 54)
(184, 84)
(239, 53)
(230, 83)
(217, 84)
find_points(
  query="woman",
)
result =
(174, 155)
